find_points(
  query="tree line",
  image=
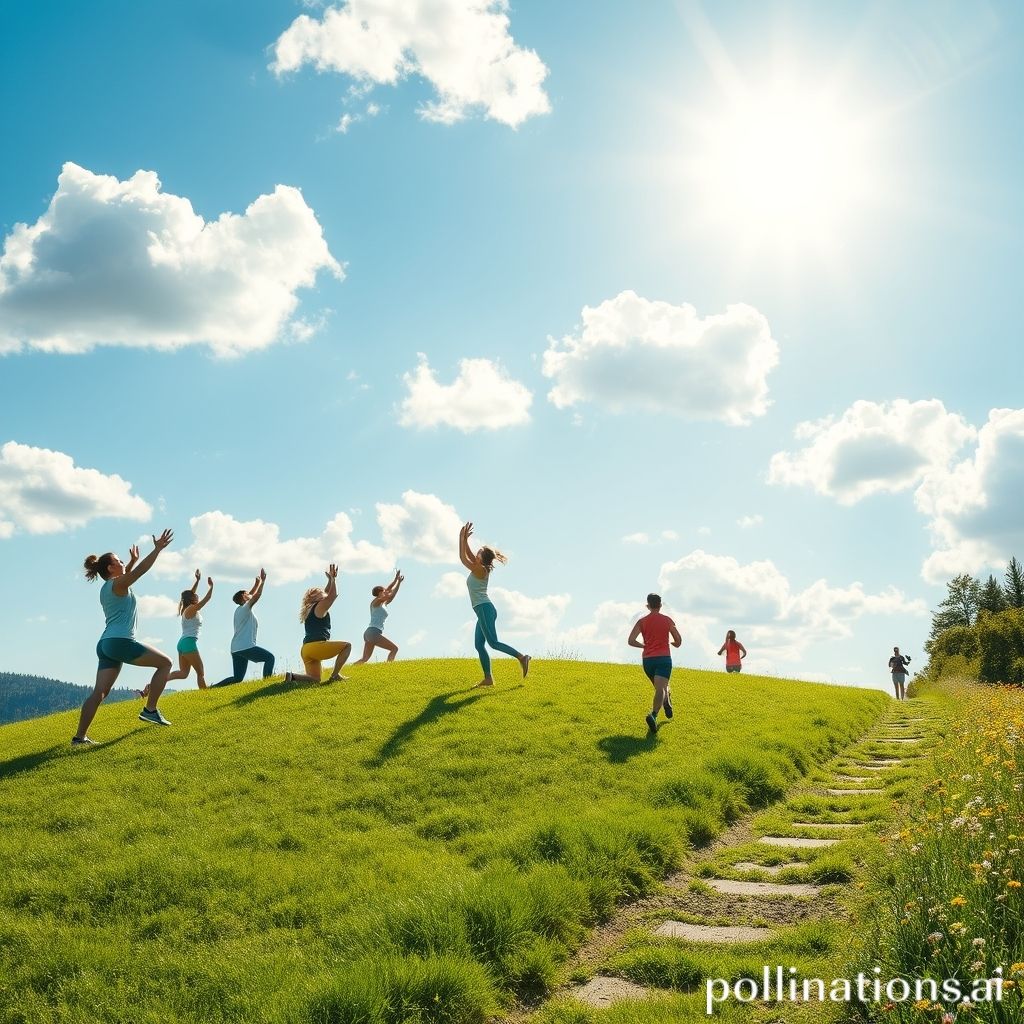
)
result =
(26, 696)
(978, 629)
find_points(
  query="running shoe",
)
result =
(82, 741)
(668, 706)
(652, 724)
(153, 717)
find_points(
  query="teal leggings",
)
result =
(486, 633)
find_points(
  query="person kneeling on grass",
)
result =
(318, 645)
(657, 658)
(243, 643)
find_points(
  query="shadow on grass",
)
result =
(619, 749)
(270, 690)
(436, 708)
(28, 762)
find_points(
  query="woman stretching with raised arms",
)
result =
(373, 635)
(317, 645)
(189, 608)
(480, 565)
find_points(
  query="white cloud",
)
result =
(746, 522)
(636, 538)
(451, 584)
(43, 491)
(422, 527)
(652, 356)
(975, 505)
(463, 48)
(122, 263)
(757, 599)
(873, 447)
(417, 638)
(158, 606)
(482, 397)
(518, 614)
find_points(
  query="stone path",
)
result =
(604, 990)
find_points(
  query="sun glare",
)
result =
(786, 167)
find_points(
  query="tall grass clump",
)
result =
(949, 892)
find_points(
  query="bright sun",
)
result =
(785, 167)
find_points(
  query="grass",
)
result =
(396, 848)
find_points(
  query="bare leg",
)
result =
(197, 664)
(105, 679)
(340, 661)
(368, 646)
(660, 688)
(314, 673)
(161, 665)
(387, 645)
(183, 669)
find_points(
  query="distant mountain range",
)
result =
(23, 696)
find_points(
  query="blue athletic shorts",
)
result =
(658, 667)
(733, 668)
(188, 645)
(371, 633)
(118, 650)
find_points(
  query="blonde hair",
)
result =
(495, 556)
(311, 597)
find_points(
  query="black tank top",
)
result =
(317, 628)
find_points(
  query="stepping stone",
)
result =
(917, 740)
(825, 824)
(604, 991)
(728, 887)
(709, 933)
(854, 778)
(793, 841)
(879, 766)
(853, 792)
(768, 869)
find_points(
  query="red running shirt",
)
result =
(655, 629)
(732, 652)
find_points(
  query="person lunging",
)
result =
(317, 645)
(373, 635)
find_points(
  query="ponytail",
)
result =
(98, 566)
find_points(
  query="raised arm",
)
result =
(323, 606)
(122, 583)
(257, 587)
(392, 591)
(209, 593)
(634, 633)
(133, 557)
(195, 583)
(466, 556)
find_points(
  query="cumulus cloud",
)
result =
(746, 522)
(157, 606)
(632, 353)
(463, 48)
(758, 599)
(43, 491)
(646, 538)
(122, 263)
(873, 447)
(422, 527)
(482, 397)
(975, 504)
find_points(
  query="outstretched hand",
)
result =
(263, 576)
(198, 576)
(209, 581)
(163, 540)
(468, 528)
(332, 572)
(133, 553)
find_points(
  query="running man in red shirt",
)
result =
(656, 630)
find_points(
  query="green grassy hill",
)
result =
(397, 847)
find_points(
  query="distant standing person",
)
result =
(243, 643)
(898, 667)
(480, 566)
(656, 629)
(317, 646)
(373, 635)
(189, 608)
(117, 644)
(734, 651)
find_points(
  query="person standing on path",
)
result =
(373, 635)
(898, 667)
(656, 629)
(735, 652)
(189, 608)
(317, 646)
(243, 643)
(480, 566)
(117, 644)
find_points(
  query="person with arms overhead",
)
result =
(317, 645)
(243, 643)
(373, 635)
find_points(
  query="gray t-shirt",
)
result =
(245, 629)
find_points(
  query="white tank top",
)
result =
(477, 589)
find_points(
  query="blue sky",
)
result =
(578, 279)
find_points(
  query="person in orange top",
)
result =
(735, 652)
(656, 629)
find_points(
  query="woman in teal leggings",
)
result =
(480, 565)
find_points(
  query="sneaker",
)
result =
(154, 717)
(652, 724)
(82, 741)
(668, 706)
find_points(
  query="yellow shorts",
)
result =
(321, 650)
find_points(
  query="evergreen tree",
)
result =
(992, 598)
(960, 606)
(1013, 589)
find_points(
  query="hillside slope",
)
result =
(27, 696)
(396, 847)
